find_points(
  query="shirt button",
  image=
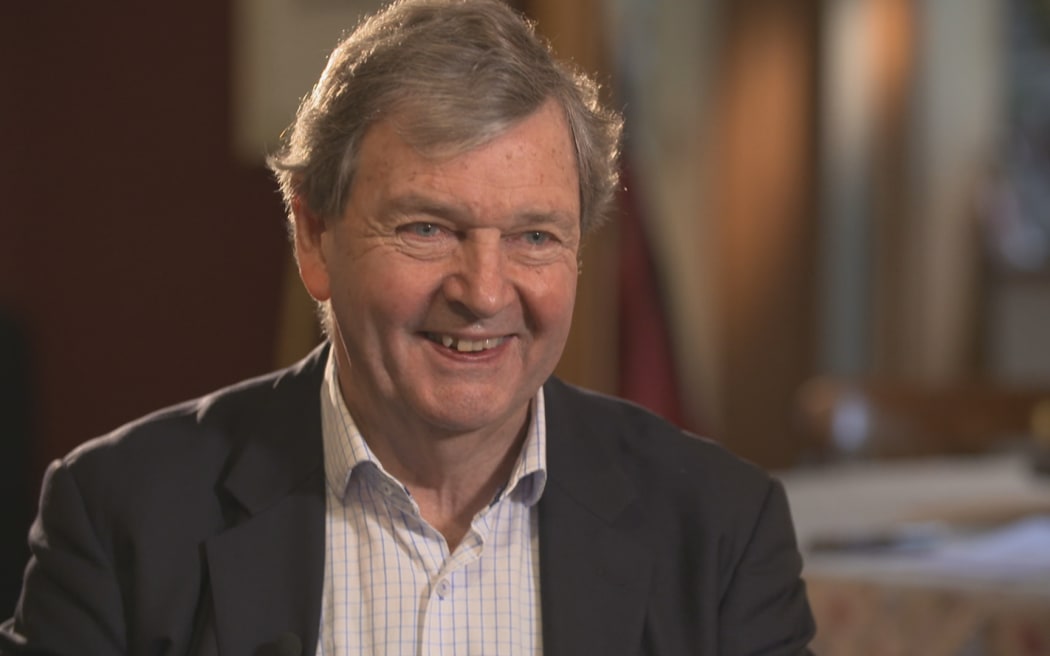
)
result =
(443, 588)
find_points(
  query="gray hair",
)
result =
(456, 73)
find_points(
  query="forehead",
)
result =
(532, 160)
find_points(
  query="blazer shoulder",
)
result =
(648, 446)
(207, 429)
(712, 530)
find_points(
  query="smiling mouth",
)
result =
(466, 345)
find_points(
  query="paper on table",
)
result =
(1012, 553)
(949, 522)
(1018, 549)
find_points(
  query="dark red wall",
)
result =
(143, 262)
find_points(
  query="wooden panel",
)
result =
(763, 190)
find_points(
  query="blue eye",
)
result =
(537, 237)
(424, 229)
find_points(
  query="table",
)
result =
(938, 557)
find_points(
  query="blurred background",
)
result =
(843, 189)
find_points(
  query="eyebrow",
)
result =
(414, 203)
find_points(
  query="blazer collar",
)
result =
(594, 574)
(280, 444)
(266, 570)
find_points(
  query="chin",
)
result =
(472, 412)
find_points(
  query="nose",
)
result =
(479, 282)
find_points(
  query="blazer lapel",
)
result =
(594, 576)
(266, 571)
(266, 577)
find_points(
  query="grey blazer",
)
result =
(200, 530)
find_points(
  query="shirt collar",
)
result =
(345, 448)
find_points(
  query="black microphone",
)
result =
(288, 644)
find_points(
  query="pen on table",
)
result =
(913, 536)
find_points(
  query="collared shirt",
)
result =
(392, 587)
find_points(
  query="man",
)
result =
(420, 484)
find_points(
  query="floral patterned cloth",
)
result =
(897, 619)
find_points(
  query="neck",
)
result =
(451, 475)
(452, 478)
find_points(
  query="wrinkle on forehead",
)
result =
(483, 179)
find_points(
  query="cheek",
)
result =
(552, 301)
(380, 293)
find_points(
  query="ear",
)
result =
(310, 232)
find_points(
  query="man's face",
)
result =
(452, 280)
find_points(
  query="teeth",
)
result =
(467, 345)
